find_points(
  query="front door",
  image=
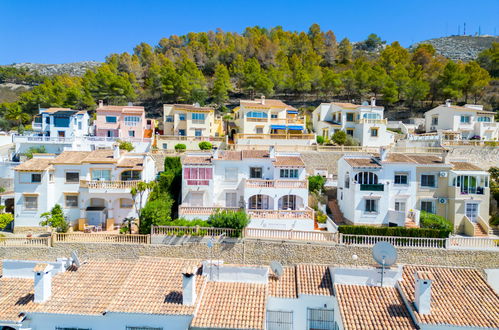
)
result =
(472, 211)
(110, 133)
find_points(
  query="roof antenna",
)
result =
(384, 254)
(76, 260)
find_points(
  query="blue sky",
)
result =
(47, 31)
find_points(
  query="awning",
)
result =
(295, 128)
(295, 112)
(95, 208)
(277, 127)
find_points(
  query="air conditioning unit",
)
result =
(443, 174)
(442, 200)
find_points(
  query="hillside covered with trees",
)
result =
(210, 67)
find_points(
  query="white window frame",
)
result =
(66, 205)
(401, 174)
(132, 120)
(375, 209)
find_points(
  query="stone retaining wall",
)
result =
(257, 252)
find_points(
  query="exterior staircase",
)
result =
(336, 213)
(479, 231)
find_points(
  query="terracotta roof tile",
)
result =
(160, 289)
(372, 307)
(314, 280)
(16, 296)
(35, 164)
(362, 162)
(120, 108)
(79, 157)
(285, 285)
(245, 154)
(459, 296)
(131, 162)
(269, 103)
(232, 306)
(465, 166)
(197, 160)
(191, 107)
(289, 161)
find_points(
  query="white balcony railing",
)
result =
(307, 214)
(258, 183)
(95, 184)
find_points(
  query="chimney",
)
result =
(101, 103)
(445, 156)
(383, 152)
(448, 103)
(43, 282)
(130, 104)
(272, 152)
(189, 286)
(373, 101)
(422, 292)
(263, 99)
(116, 151)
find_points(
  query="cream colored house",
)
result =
(189, 124)
(462, 122)
(269, 121)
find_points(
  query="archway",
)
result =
(290, 202)
(260, 202)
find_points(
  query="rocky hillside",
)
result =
(464, 48)
(73, 69)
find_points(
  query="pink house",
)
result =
(121, 121)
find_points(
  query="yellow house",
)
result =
(189, 120)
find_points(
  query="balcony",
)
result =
(306, 214)
(372, 187)
(282, 121)
(373, 121)
(202, 210)
(276, 136)
(44, 139)
(120, 186)
(258, 183)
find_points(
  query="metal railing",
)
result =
(95, 184)
(372, 187)
(100, 238)
(368, 240)
(258, 183)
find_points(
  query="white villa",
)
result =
(153, 293)
(363, 122)
(454, 122)
(392, 189)
(93, 187)
(272, 187)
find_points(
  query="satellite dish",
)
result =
(384, 253)
(276, 268)
(76, 260)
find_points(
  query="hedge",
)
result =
(394, 231)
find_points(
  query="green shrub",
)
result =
(55, 219)
(156, 212)
(433, 221)
(34, 150)
(394, 231)
(351, 142)
(205, 145)
(316, 183)
(5, 219)
(321, 217)
(339, 137)
(180, 147)
(189, 223)
(494, 220)
(320, 139)
(125, 145)
(229, 219)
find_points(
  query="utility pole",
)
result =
(464, 33)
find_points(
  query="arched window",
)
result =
(130, 175)
(259, 202)
(347, 180)
(256, 114)
(366, 178)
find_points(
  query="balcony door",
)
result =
(196, 199)
(472, 211)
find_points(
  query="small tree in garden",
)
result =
(316, 183)
(138, 192)
(125, 145)
(229, 219)
(128, 223)
(339, 137)
(55, 219)
(5, 219)
(180, 147)
(205, 145)
(157, 212)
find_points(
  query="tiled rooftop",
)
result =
(295, 161)
(197, 160)
(362, 162)
(269, 103)
(459, 296)
(372, 307)
(302, 279)
(35, 164)
(465, 166)
(227, 305)
(120, 108)
(245, 154)
(191, 107)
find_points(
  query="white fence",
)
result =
(417, 242)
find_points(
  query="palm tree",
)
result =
(16, 114)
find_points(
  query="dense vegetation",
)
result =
(394, 231)
(209, 67)
(433, 221)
